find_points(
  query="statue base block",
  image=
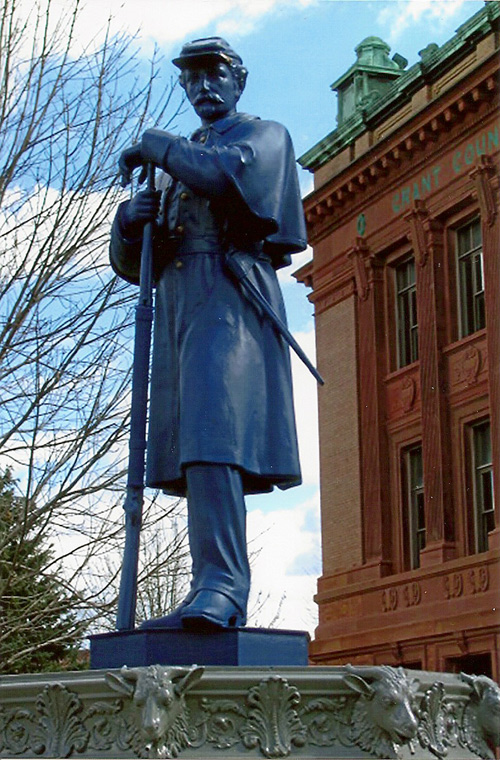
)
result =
(171, 646)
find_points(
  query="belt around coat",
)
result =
(191, 245)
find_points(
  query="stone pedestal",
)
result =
(238, 646)
(236, 712)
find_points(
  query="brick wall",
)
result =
(339, 434)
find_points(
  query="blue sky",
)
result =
(297, 48)
(294, 50)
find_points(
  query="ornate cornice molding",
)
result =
(324, 205)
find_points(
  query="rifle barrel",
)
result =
(137, 441)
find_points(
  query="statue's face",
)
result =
(212, 90)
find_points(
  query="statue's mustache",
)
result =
(208, 98)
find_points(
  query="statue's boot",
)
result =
(173, 619)
(211, 610)
(217, 540)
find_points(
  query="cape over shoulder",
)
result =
(264, 172)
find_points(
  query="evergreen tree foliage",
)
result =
(37, 631)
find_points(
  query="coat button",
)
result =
(203, 139)
(184, 196)
(178, 264)
(180, 229)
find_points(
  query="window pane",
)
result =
(406, 313)
(420, 521)
(478, 272)
(480, 312)
(487, 490)
(467, 299)
(414, 505)
(417, 472)
(476, 234)
(482, 444)
(484, 508)
(413, 305)
(471, 280)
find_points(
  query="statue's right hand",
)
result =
(141, 209)
(130, 159)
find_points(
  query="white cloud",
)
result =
(164, 22)
(168, 21)
(286, 566)
(398, 16)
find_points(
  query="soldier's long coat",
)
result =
(221, 386)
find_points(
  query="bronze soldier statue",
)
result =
(221, 419)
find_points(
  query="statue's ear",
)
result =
(244, 80)
(358, 684)
(241, 79)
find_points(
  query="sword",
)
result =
(240, 266)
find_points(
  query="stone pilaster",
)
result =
(427, 239)
(368, 275)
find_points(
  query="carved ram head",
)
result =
(481, 718)
(158, 693)
(383, 716)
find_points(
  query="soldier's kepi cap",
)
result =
(206, 48)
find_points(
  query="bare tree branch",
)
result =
(65, 320)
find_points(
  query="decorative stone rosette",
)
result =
(160, 712)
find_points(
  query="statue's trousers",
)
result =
(217, 530)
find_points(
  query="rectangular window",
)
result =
(406, 312)
(480, 664)
(482, 471)
(413, 500)
(470, 278)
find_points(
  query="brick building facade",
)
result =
(405, 274)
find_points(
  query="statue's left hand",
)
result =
(131, 159)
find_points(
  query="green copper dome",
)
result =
(368, 78)
(373, 51)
